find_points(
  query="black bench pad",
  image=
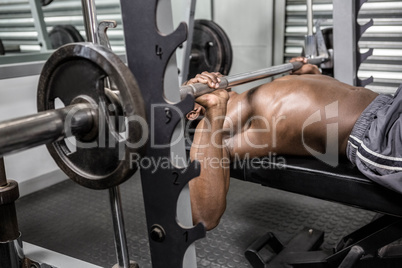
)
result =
(311, 177)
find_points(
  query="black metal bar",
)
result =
(9, 223)
(3, 178)
(352, 258)
(45, 127)
(10, 243)
(147, 59)
(253, 255)
(371, 237)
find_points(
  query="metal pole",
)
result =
(92, 32)
(212, 10)
(90, 21)
(234, 80)
(310, 44)
(118, 225)
(45, 127)
(309, 17)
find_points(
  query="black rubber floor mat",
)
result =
(72, 220)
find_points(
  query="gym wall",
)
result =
(250, 27)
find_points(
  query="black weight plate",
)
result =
(327, 33)
(211, 49)
(2, 50)
(77, 37)
(46, 2)
(328, 37)
(78, 71)
(226, 44)
(64, 34)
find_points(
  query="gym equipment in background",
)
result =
(211, 49)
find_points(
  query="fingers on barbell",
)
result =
(212, 79)
(307, 69)
(300, 58)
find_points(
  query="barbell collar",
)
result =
(199, 89)
(46, 127)
(9, 193)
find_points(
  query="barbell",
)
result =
(74, 76)
(226, 82)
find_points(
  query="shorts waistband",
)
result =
(364, 121)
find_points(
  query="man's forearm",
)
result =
(208, 191)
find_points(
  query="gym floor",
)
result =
(76, 221)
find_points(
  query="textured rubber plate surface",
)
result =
(76, 221)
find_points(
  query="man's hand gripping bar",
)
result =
(199, 89)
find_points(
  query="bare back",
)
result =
(292, 115)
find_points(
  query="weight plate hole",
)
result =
(71, 144)
(58, 103)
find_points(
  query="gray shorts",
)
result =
(375, 144)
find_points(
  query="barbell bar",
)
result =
(229, 81)
(45, 127)
(74, 74)
(49, 126)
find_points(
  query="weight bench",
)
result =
(343, 184)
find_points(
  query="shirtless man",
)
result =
(266, 119)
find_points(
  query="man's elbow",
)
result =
(209, 223)
(210, 219)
